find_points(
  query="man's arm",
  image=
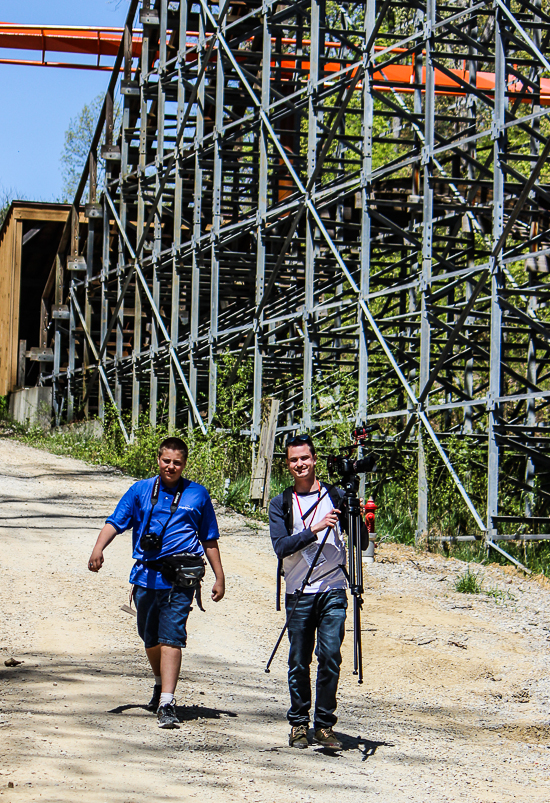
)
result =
(285, 544)
(107, 534)
(212, 552)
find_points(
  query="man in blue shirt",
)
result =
(169, 515)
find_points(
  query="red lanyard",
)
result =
(314, 512)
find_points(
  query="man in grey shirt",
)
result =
(297, 526)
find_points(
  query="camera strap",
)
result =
(173, 507)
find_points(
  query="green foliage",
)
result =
(448, 514)
(468, 583)
(473, 552)
(233, 403)
(236, 493)
(395, 520)
(5, 201)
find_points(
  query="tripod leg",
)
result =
(358, 604)
(358, 645)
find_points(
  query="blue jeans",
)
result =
(325, 613)
(162, 615)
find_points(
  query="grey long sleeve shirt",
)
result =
(283, 543)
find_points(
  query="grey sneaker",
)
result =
(166, 716)
(153, 703)
(326, 738)
(298, 736)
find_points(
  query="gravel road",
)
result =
(455, 705)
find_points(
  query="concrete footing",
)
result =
(32, 406)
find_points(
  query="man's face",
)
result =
(300, 462)
(171, 464)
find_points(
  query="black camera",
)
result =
(149, 541)
(343, 464)
(346, 467)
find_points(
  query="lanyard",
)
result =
(314, 507)
(173, 506)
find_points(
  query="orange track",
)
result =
(50, 38)
(100, 42)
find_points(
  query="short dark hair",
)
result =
(176, 444)
(300, 440)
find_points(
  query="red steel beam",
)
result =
(96, 42)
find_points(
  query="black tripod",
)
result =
(355, 566)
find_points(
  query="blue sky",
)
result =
(38, 102)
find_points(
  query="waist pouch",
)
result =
(183, 569)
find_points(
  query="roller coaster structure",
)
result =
(350, 198)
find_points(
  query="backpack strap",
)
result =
(280, 573)
(334, 495)
(288, 509)
(288, 513)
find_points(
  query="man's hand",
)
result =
(212, 553)
(218, 589)
(96, 560)
(330, 520)
(104, 539)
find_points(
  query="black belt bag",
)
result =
(184, 569)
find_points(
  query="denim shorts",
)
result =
(162, 615)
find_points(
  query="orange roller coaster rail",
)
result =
(105, 42)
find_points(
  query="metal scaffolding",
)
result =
(352, 198)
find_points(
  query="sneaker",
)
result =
(166, 716)
(298, 736)
(153, 703)
(326, 738)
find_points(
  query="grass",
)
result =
(468, 583)
(499, 595)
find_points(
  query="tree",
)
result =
(78, 138)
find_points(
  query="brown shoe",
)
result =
(298, 736)
(326, 738)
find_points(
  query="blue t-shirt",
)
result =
(194, 521)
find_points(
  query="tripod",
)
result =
(355, 567)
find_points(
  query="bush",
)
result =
(468, 583)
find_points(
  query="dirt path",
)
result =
(455, 706)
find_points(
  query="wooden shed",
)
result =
(29, 238)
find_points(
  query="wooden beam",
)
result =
(44, 215)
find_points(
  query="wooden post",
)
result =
(261, 469)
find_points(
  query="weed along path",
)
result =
(455, 705)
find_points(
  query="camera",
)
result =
(343, 464)
(149, 541)
(346, 467)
